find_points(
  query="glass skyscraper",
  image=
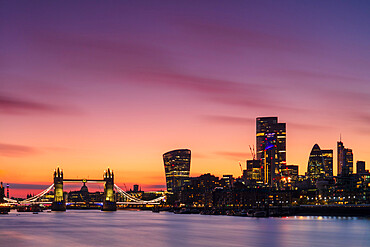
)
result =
(340, 155)
(328, 162)
(177, 168)
(348, 162)
(271, 140)
(316, 167)
(345, 160)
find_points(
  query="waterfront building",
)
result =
(316, 168)
(177, 168)
(360, 167)
(199, 191)
(271, 147)
(328, 161)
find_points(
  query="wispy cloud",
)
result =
(28, 186)
(318, 77)
(11, 150)
(307, 126)
(218, 35)
(139, 63)
(235, 155)
(156, 186)
(14, 105)
(228, 119)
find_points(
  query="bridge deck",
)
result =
(83, 180)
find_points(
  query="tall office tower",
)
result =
(340, 160)
(316, 168)
(328, 162)
(347, 168)
(360, 167)
(177, 168)
(271, 142)
(345, 160)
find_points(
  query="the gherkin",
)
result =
(316, 167)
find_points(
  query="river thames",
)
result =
(144, 228)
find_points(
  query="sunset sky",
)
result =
(91, 84)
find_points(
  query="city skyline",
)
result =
(29, 188)
(118, 85)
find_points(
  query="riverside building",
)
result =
(177, 168)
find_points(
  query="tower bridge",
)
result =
(109, 199)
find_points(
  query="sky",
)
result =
(87, 85)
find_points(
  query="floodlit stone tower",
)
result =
(109, 202)
(59, 203)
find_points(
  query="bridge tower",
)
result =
(59, 203)
(109, 202)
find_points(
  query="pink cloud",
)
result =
(11, 150)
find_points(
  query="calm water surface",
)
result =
(144, 228)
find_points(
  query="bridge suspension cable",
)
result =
(137, 200)
(34, 198)
(9, 200)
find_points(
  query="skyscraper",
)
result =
(328, 162)
(271, 142)
(345, 160)
(177, 168)
(348, 162)
(340, 160)
(316, 168)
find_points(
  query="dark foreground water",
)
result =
(144, 228)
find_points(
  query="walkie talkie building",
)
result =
(177, 168)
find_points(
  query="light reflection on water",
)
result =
(144, 228)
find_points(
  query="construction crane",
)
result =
(241, 168)
(125, 186)
(252, 152)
